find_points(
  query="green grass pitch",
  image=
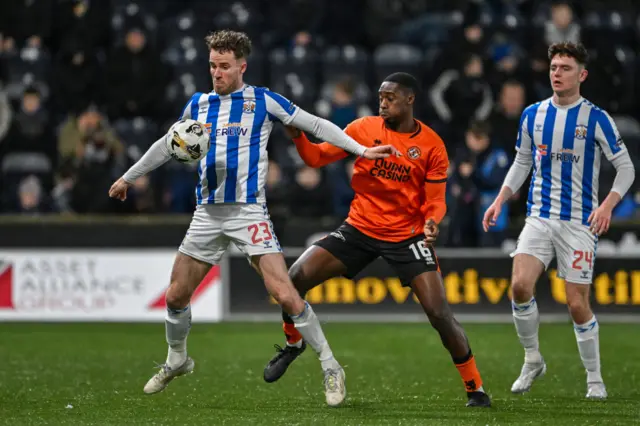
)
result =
(397, 374)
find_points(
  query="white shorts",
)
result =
(573, 245)
(214, 226)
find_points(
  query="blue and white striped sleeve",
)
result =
(608, 137)
(188, 110)
(279, 107)
(523, 142)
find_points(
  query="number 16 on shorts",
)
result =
(422, 252)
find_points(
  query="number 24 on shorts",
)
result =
(579, 255)
(260, 232)
(422, 252)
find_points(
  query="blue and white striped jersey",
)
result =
(235, 169)
(566, 143)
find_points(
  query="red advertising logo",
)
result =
(207, 282)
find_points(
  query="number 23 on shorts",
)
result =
(260, 232)
(582, 257)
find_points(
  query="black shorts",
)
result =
(356, 250)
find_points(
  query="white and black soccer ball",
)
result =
(188, 141)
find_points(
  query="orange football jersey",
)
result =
(390, 192)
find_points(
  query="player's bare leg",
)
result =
(273, 269)
(186, 276)
(315, 266)
(526, 270)
(429, 289)
(586, 328)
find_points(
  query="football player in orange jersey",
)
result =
(398, 204)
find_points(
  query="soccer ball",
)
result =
(188, 141)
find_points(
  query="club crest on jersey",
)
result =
(249, 107)
(581, 132)
(542, 149)
(414, 153)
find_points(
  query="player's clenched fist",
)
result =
(382, 151)
(119, 189)
(431, 231)
(491, 215)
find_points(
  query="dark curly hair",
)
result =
(572, 50)
(230, 41)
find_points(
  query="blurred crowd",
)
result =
(86, 86)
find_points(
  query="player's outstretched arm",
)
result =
(314, 154)
(156, 155)
(327, 131)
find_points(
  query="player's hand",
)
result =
(600, 219)
(119, 189)
(292, 132)
(491, 215)
(431, 231)
(382, 151)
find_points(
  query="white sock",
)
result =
(308, 325)
(177, 326)
(527, 320)
(587, 335)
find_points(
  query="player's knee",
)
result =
(521, 288)
(438, 315)
(578, 305)
(288, 299)
(298, 278)
(176, 297)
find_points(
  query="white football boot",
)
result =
(334, 387)
(529, 373)
(596, 390)
(166, 374)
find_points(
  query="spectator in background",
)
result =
(6, 114)
(136, 78)
(339, 176)
(310, 196)
(478, 171)
(277, 190)
(470, 39)
(78, 128)
(541, 89)
(31, 197)
(98, 160)
(344, 109)
(25, 23)
(505, 119)
(31, 129)
(83, 21)
(561, 27)
(77, 79)
(459, 97)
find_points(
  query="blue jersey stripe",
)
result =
(545, 161)
(212, 118)
(587, 173)
(254, 148)
(609, 133)
(530, 122)
(567, 166)
(195, 99)
(233, 140)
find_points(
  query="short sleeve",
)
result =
(523, 142)
(280, 107)
(608, 137)
(437, 165)
(190, 110)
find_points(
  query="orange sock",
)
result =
(292, 333)
(470, 374)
